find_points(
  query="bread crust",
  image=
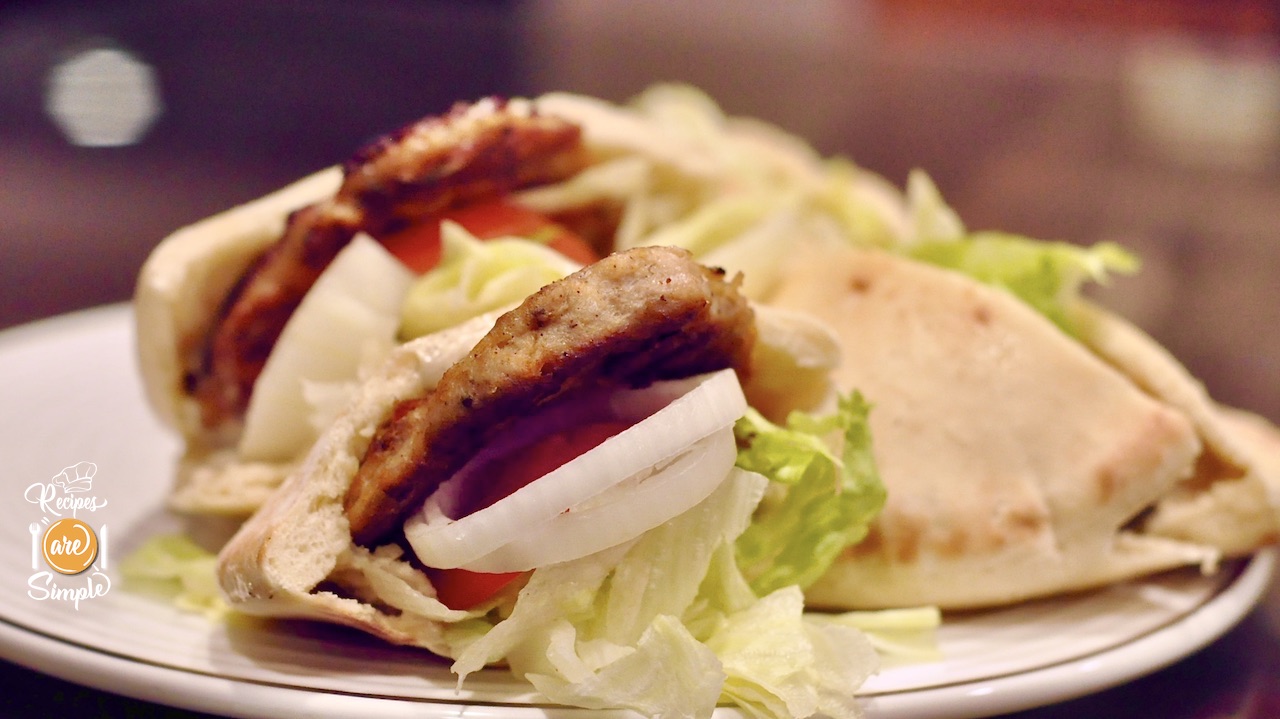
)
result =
(1230, 501)
(212, 298)
(184, 282)
(1015, 459)
(297, 556)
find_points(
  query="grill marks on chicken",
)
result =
(474, 152)
(633, 318)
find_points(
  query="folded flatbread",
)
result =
(212, 298)
(297, 556)
(1230, 500)
(1019, 462)
(180, 292)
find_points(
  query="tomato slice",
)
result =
(418, 247)
(463, 589)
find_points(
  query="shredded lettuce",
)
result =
(742, 234)
(932, 219)
(666, 625)
(716, 223)
(743, 195)
(827, 660)
(667, 673)
(867, 210)
(900, 636)
(475, 277)
(1048, 276)
(825, 498)
(175, 567)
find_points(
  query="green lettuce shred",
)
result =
(823, 500)
(932, 219)
(475, 277)
(176, 568)
(666, 625)
(900, 636)
(744, 195)
(1048, 276)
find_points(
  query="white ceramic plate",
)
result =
(70, 395)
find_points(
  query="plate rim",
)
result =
(192, 688)
(1091, 673)
(250, 699)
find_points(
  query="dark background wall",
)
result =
(1154, 123)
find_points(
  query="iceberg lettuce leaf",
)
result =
(1048, 276)
(899, 636)
(823, 499)
(666, 625)
(175, 567)
(932, 219)
(475, 277)
(667, 673)
(780, 665)
(611, 601)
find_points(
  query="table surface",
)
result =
(1030, 129)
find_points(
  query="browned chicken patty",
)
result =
(474, 152)
(632, 318)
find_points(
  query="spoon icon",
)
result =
(35, 545)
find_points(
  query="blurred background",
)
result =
(1155, 123)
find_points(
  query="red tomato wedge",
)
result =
(463, 589)
(418, 247)
(526, 464)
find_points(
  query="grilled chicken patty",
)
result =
(632, 318)
(474, 152)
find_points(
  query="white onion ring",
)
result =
(602, 498)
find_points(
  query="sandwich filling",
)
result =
(660, 451)
(474, 153)
(629, 320)
(428, 502)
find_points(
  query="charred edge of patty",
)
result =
(525, 364)
(484, 150)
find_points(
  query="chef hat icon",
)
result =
(76, 478)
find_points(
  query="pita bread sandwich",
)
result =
(1022, 461)
(215, 300)
(1030, 443)
(554, 488)
(255, 324)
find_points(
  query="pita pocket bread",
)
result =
(278, 561)
(1018, 462)
(617, 176)
(1230, 502)
(439, 401)
(180, 290)
(656, 317)
(213, 298)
